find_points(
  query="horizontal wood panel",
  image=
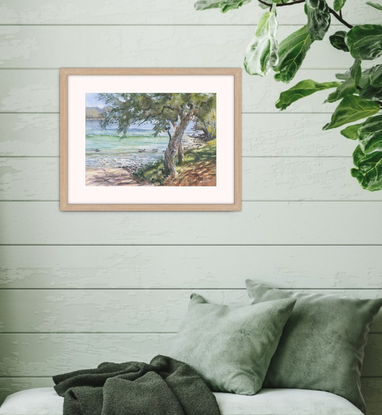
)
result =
(371, 389)
(259, 223)
(124, 46)
(30, 135)
(26, 354)
(202, 267)
(48, 355)
(38, 91)
(18, 178)
(290, 135)
(141, 311)
(301, 179)
(148, 12)
(263, 179)
(29, 91)
(372, 392)
(38, 135)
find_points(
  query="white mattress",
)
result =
(45, 401)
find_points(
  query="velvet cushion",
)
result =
(322, 346)
(231, 347)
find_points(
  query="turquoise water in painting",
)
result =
(105, 148)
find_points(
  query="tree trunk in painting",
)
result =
(180, 152)
(175, 145)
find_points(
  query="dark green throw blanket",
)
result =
(163, 387)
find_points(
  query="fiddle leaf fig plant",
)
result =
(356, 93)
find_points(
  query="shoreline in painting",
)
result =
(197, 169)
(112, 160)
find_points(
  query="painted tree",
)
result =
(163, 111)
(207, 124)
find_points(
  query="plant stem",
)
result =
(282, 4)
(333, 12)
(340, 19)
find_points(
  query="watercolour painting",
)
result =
(150, 139)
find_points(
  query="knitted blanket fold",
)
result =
(165, 386)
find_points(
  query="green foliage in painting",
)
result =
(162, 110)
(207, 124)
(359, 92)
(165, 111)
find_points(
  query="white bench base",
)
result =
(45, 401)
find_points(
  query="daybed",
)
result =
(288, 353)
(45, 401)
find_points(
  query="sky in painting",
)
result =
(92, 101)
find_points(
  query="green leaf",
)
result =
(223, 5)
(352, 108)
(370, 135)
(375, 5)
(353, 73)
(351, 132)
(338, 40)
(262, 52)
(318, 18)
(375, 76)
(371, 83)
(301, 90)
(365, 42)
(371, 77)
(345, 88)
(343, 76)
(292, 53)
(368, 169)
(338, 4)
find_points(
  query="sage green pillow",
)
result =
(231, 347)
(322, 346)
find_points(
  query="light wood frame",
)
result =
(66, 72)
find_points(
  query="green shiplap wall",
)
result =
(79, 288)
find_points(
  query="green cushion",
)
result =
(231, 347)
(322, 346)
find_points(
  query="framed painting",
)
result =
(150, 139)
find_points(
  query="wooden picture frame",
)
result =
(211, 96)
